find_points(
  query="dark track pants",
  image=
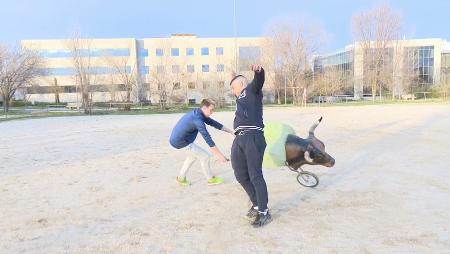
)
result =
(246, 158)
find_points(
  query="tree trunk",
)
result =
(127, 106)
(374, 91)
(85, 103)
(56, 98)
(278, 97)
(55, 82)
(6, 101)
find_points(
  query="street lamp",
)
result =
(285, 92)
(235, 37)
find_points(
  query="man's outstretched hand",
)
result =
(255, 67)
(223, 159)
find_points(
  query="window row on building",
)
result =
(342, 61)
(74, 89)
(190, 68)
(85, 53)
(193, 85)
(144, 70)
(189, 51)
(419, 62)
(94, 70)
(143, 52)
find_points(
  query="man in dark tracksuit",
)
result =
(248, 147)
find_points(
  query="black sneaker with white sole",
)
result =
(262, 219)
(252, 214)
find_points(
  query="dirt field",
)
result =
(106, 184)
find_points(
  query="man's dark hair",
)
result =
(233, 79)
(207, 103)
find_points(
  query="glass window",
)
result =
(205, 51)
(176, 86)
(175, 51)
(86, 52)
(144, 70)
(220, 68)
(190, 68)
(143, 52)
(191, 85)
(205, 67)
(59, 71)
(175, 69)
(205, 85)
(159, 52)
(160, 69)
(219, 51)
(189, 51)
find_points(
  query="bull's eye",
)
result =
(316, 154)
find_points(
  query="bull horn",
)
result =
(308, 157)
(313, 127)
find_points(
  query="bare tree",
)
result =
(56, 90)
(216, 80)
(85, 71)
(444, 84)
(178, 77)
(123, 73)
(292, 46)
(331, 82)
(18, 68)
(375, 32)
(215, 88)
(166, 75)
(162, 81)
(275, 76)
(399, 69)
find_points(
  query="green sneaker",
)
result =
(215, 180)
(183, 182)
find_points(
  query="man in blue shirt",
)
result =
(248, 147)
(184, 134)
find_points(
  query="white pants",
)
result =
(196, 152)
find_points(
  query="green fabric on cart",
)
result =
(276, 135)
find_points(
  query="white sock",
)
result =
(265, 211)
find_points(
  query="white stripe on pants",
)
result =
(196, 152)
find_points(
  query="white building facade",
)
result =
(182, 68)
(414, 65)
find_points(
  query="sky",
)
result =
(54, 19)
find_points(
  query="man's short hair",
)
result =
(207, 103)
(240, 78)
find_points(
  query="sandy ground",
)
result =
(105, 184)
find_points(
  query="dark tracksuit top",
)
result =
(185, 131)
(249, 112)
(248, 147)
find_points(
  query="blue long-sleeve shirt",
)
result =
(187, 128)
(249, 112)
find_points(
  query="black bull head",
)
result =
(310, 151)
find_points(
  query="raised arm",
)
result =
(258, 80)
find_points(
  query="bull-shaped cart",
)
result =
(297, 152)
